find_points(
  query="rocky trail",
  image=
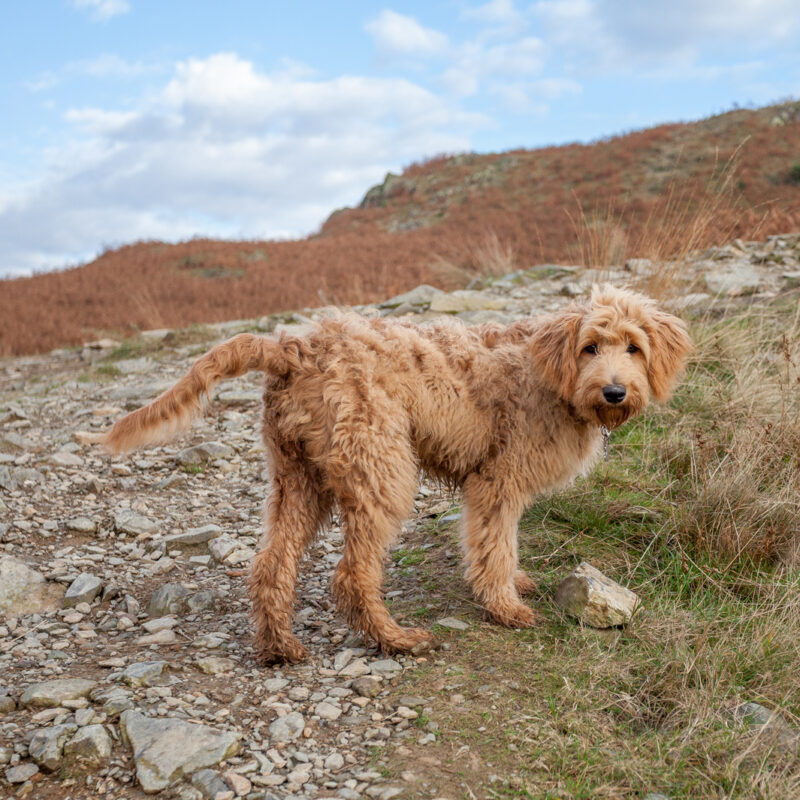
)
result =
(125, 653)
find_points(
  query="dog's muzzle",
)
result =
(614, 393)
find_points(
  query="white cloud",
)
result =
(223, 149)
(397, 34)
(621, 34)
(495, 11)
(102, 10)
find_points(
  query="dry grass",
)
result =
(657, 193)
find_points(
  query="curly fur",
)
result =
(354, 410)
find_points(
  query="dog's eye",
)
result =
(632, 348)
(591, 349)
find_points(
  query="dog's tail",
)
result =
(175, 409)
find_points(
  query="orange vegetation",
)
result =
(647, 193)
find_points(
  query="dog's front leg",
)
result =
(492, 514)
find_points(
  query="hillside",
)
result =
(649, 193)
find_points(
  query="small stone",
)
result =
(288, 728)
(7, 704)
(334, 762)
(327, 711)
(214, 665)
(171, 598)
(385, 666)
(24, 590)
(355, 669)
(193, 536)
(240, 785)
(159, 624)
(83, 589)
(90, 744)
(273, 685)
(51, 694)
(127, 521)
(47, 745)
(366, 686)
(145, 673)
(208, 783)
(453, 623)
(81, 525)
(201, 453)
(21, 773)
(162, 637)
(595, 599)
(207, 600)
(342, 659)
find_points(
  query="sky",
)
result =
(128, 120)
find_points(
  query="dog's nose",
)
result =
(614, 393)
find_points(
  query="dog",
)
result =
(354, 410)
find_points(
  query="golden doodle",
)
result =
(354, 410)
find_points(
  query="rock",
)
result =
(202, 453)
(288, 728)
(208, 783)
(145, 673)
(83, 589)
(214, 665)
(772, 721)
(235, 397)
(127, 521)
(7, 704)
(240, 785)
(91, 744)
(25, 591)
(193, 536)
(737, 278)
(166, 749)
(52, 694)
(656, 796)
(134, 366)
(47, 745)
(355, 669)
(595, 599)
(208, 600)
(165, 636)
(81, 525)
(466, 300)
(366, 686)
(342, 659)
(453, 624)
(334, 762)
(385, 666)
(65, 459)
(272, 685)
(21, 773)
(171, 598)
(421, 296)
(327, 711)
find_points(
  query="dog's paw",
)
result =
(515, 616)
(412, 640)
(524, 584)
(286, 652)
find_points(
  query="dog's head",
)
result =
(608, 357)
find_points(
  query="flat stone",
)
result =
(47, 745)
(240, 785)
(166, 749)
(90, 744)
(235, 397)
(51, 694)
(288, 728)
(83, 589)
(81, 525)
(735, 279)
(453, 623)
(466, 300)
(792, 279)
(595, 599)
(65, 459)
(166, 636)
(385, 666)
(159, 624)
(421, 296)
(130, 522)
(25, 591)
(193, 536)
(21, 773)
(366, 686)
(327, 711)
(202, 453)
(208, 783)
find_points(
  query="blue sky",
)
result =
(123, 120)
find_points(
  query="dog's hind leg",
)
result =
(294, 511)
(490, 545)
(372, 503)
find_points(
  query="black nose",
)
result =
(614, 393)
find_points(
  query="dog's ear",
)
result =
(669, 347)
(555, 346)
